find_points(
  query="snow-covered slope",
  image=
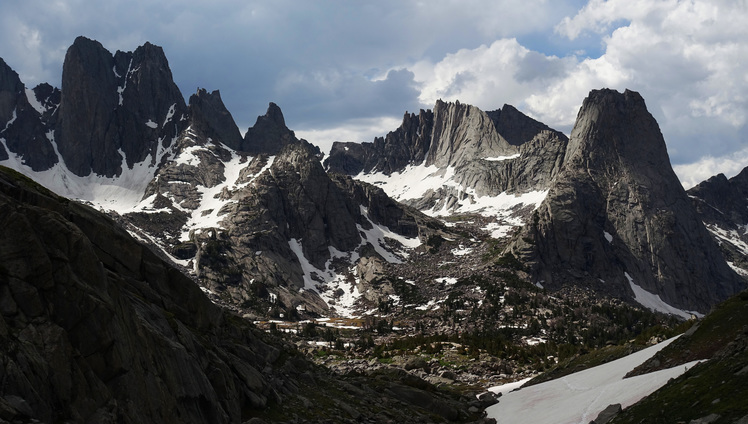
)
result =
(416, 183)
(578, 398)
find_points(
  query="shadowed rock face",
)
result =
(209, 116)
(96, 328)
(116, 109)
(617, 207)
(722, 200)
(269, 134)
(23, 128)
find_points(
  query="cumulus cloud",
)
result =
(693, 173)
(356, 130)
(687, 58)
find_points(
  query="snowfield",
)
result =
(580, 397)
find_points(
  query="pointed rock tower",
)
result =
(618, 220)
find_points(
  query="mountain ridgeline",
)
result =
(264, 226)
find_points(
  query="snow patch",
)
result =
(337, 290)
(462, 251)
(446, 280)
(412, 183)
(170, 114)
(502, 158)
(151, 124)
(580, 397)
(11, 121)
(654, 302)
(729, 236)
(208, 215)
(608, 236)
(120, 193)
(34, 102)
(377, 234)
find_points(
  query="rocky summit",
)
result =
(464, 248)
(617, 218)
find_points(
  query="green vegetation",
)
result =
(434, 242)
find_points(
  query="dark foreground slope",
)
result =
(96, 328)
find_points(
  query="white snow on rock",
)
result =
(502, 158)
(207, 215)
(119, 194)
(608, 236)
(377, 234)
(412, 183)
(462, 251)
(151, 124)
(450, 281)
(170, 114)
(10, 122)
(416, 181)
(728, 236)
(580, 397)
(31, 97)
(654, 302)
(328, 283)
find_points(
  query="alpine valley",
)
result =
(384, 281)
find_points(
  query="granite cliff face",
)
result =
(25, 129)
(465, 154)
(616, 217)
(116, 109)
(450, 135)
(96, 328)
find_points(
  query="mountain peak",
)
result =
(210, 116)
(269, 133)
(115, 107)
(617, 218)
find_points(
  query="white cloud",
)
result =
(686, 57)
(356, 130)
(709, 166)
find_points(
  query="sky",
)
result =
(347, 70)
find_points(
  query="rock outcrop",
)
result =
(617, 217)
(116, 110)
(269, 134)
(96, 328)
(294, 227)
(24, 130)
(465, 149)
(209, 116)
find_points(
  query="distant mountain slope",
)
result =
(723, 206)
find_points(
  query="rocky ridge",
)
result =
(722, 204)
(262, 225)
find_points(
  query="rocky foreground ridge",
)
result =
(96, 328)
(263, 226)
